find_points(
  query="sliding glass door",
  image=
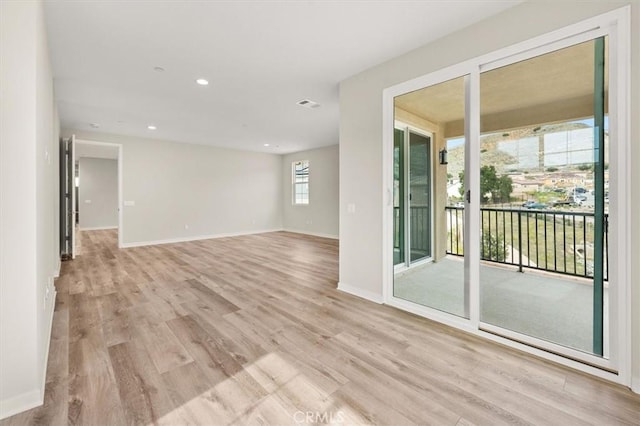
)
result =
(429, 161)
(501, 198)
(399, 203)
(419, 196)
(412, 196)
(543, 174)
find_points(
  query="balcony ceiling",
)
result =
(260, 58)
(558, 80)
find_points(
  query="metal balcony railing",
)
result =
(548, 240)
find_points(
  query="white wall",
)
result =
(97, 193)
(28, 205)
(635, 198)
(361, 132)
(213, 191)
(320, 217)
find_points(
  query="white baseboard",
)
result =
(23, 402)
(315, 234)
(51, 308)
(365, 294)
(56, 273)
(97, 228)
(195, 238)
(635, 385)
(34, 398)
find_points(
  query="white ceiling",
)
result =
(93, 150)
(260, 58)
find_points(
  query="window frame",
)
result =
(295, 184)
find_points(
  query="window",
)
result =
(300, 179)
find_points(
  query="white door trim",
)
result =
(74, 212)
(120, 183)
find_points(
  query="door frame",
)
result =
(120, 182)
(407, 130)
(67, 198)
(616, 25)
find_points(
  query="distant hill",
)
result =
(503, 161)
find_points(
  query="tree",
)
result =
(504, 189)
(461, 187)
(494, 188)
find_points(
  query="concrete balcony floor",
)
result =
(548, 306)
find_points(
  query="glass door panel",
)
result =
(543, 181)
(428, 195)
(398, 197)
(419, 196)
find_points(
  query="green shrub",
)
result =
(493, 247)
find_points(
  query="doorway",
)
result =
(412, 197)
(91, 175)
(421, 187)
(529, 198)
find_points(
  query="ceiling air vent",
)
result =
(308, 104)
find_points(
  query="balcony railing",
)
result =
(556, 241)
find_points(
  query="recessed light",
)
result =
(266, 144)
(158, 69)
(94, 125)
(202, 82)
(151, 127)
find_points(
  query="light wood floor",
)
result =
(251, 330)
